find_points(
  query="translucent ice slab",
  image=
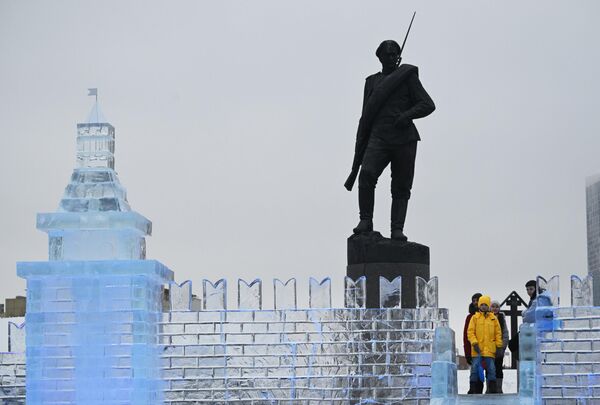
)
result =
(250, 295)
(582, 291)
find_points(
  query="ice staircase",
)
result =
(491, 399)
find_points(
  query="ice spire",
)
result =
(94, 220)
(94, 184)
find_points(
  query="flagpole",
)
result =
(96, 105)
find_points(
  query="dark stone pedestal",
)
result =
(372, 255)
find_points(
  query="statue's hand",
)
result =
(401, 121)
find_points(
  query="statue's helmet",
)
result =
(385, 44)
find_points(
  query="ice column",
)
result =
(214, 296)
(444, 386)
(250, 295)
(582, 291)
(427, 292)
(285, 294)
(355, 292)
(319, 293)
(390, 292)
(93, 308)
(180, 296)
(527, 363)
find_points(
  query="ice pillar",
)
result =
(93, 308)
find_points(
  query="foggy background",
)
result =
(235, 127)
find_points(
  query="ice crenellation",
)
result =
(100, 328)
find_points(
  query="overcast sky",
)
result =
(235, 126)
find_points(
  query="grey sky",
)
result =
(236, 121)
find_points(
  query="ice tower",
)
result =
(93, 308)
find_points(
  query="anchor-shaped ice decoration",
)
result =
(180, 296)
(16, 337)
(427, 292)
(582, 291)
(390, 292)
(355, 292)
(285, 294)
(319, 293)
(250, 295)
(549, 288)
(214, 295)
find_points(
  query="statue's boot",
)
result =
(399, 207)
(366, 204)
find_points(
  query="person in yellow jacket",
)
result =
(485, 336)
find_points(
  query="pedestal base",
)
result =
(373, 256)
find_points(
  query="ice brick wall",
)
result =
(12, 378)
(569, 357)
(300, 356)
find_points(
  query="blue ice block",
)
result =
(84, 318)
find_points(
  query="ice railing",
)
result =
(250, 294)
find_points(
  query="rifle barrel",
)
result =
(406, 37)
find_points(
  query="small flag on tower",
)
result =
(93, 92)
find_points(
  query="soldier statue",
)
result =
(393, 98)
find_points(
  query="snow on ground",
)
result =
(509, 385)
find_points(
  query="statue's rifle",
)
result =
(362, 136)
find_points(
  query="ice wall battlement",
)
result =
(250, 294)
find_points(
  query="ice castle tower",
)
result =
(93, 308)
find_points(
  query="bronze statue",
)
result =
(386, 134)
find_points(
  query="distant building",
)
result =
(13, 307)
(592, 197)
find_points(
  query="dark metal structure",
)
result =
(513, 300)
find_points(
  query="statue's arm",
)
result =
(367, 92)
(423, 104)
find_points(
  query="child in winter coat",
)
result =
(486, 343)
(495, 308)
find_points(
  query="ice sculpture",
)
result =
(390, 292)
(444, 385)
(180, 296)
(527, 360)
(319, 293)
(95, 304)
(355, 292)
(16, 337)
(285, 294)
(550, 289)
(214, 295)
(582, 291)
(250, 295)
(427, 292)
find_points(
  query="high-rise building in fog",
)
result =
(592, 196)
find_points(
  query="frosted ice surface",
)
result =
(582, 291)
(214, 295)
(444, 344)
(250, 295)
(180, 296)
(319, 293)
(285, 294)
(96, 115)
(551, 289)
(94, 189)
(444, 382)
(527, 347)
(355, 292)
(427, 292)
(62, 221)
(16, 337)
(390, 292)
(526, 378)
